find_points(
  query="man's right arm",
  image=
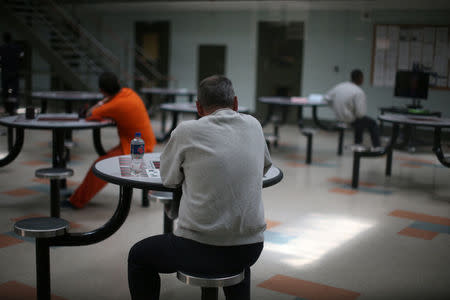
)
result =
(172, 159)
(267, 159)
(360, 105)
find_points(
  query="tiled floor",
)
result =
(389, 239)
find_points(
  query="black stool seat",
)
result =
(341, 125)
(161, 197)
(360, 151)
(210, 281)
(56, 176)
(44, 227)
(54, 173)
(69, 144)
(367, 150)
(210, 285)
(308, 131)
(170, 209)
(270, 137)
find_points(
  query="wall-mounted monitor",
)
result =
(411, 84)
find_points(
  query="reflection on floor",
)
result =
(390, 239)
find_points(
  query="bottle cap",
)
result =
(138, 134)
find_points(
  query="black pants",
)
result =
(366, 123)
(10, 89)
(168, 253)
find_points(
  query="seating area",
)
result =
(313, 211)
(133, 136)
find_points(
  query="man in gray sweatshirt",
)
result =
(348, 101)
(219, 161)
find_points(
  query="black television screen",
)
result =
(411, 84)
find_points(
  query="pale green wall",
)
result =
(332, 38)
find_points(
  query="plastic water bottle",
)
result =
(137, 153)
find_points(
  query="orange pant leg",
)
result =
(91, 184)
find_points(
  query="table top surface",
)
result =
(53, 121)
(415, 120)
(117, 170)
(190, 107)
(168, 91)
(68, 95)
(292, 101)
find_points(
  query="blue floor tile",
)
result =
(277, 237)
(431, 227)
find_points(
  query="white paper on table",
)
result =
(428, 35)
(153, 173)
(403, 55)
(415, 55)
(427, 55)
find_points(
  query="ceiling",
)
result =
(223, 5)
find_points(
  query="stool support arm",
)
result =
(437, 149)
(98, 142)
(102, 233)
(15, 150)
(319, 123)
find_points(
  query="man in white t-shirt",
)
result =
(219, 162)
(348, 101)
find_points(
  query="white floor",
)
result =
(322, 232)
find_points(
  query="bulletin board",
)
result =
(399, 47)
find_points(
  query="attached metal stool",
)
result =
(210, 285)
(340, 127)
(42, 229)
(309, 133)
(170, 212)
(362, 151)
(55, 175)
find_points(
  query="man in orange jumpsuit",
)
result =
(126, 108)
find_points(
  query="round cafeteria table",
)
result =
(285, 102)
(58, 124)
(434, 122)
(169, 94)
(68, 97)
(116, 170)
(177, 108)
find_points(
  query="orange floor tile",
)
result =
(26, 217)
(271, 224)
(420, 217)
(13, 290)
(343, 191)
(307, 289)
(348, 181)
(35, 163)
(20, 192)
(409, 165)
(418, 233)
(6, 241)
